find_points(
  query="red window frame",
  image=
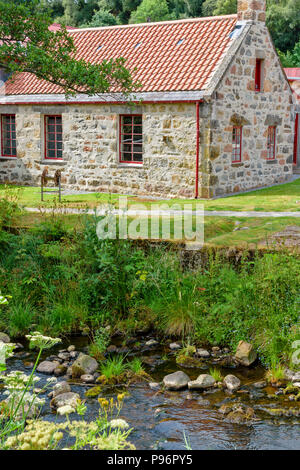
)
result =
(258, 69)
(237, 141)
(131, 138)
(8, 136)
(271, 143)
(54, 139)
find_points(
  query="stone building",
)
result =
(215, 114)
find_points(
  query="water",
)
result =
(161, 420)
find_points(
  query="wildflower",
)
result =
(57, 436)
(121, 396)
(37, 340)
(52, 380)
(119, 423)
(103, 402)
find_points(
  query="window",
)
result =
(237, 144)
(271, 143)
(53, 137)
(8, 135)
(258, 75)
(131, 139)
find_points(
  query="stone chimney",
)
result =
(252, 10)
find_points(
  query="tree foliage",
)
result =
(27, 45)
(150, 10)
(283, 20)
(291, 58)
(225, 7)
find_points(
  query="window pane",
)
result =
(127, 157)
(137, 120)
(127, 119)
(127, 130)
(137, 129)
(137, 157)
(138, 148)
(51, 136)
(126, 147)
(51, 153)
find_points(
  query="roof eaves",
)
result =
(166, 96)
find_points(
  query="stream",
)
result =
(164, 420)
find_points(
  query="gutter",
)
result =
(197, 147)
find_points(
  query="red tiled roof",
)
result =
(169, 56)
(57, 26)
(292, 73)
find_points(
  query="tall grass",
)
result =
(63, 282)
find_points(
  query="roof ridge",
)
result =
(186, 20)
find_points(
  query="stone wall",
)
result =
(235, 102)
(91, 154)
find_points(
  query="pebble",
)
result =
(87, 378)
(151, 342)
(154, 385)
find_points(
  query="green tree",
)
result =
(27, 45)
(225, 7)
(208, 7)
(283, 20)
(291, 58)
(101, 18)
(85, 11)
(151, 10)
(70, 12)
(193, 7)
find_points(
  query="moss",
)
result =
(93, 392)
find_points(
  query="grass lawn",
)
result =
(285, 197)
(218, 231)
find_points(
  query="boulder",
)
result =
(174, 346)
(176, 381)
(63, 399)
(202, 382)
(232, 382)
(47, 367)
(4, 338)
(71, 348)
(60, 388)
(84, 365)
(245, 354)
